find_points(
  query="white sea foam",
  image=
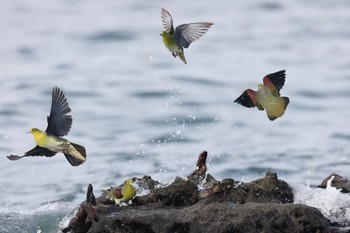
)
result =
(65, 221)
(48, 207)
(14, 218)
(330, 201)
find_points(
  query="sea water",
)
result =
(139, 111)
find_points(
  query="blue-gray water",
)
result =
(138, 111)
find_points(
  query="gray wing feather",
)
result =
(185, 34)
(59, 122)
(167, 22)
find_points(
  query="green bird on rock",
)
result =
(182, 36)
(121, 194)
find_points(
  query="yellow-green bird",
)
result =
(58, 124)
(121, 194)
(182, 36)
(267, 96)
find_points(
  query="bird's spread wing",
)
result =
(36, 151)
(275, 81)
(167, 22)
(59, 122)
(185, 34)
(247, 99)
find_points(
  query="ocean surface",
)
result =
(139, 111)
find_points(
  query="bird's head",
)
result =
(162, 33)
(37, 133)
(260, 86)
(34, 131)
(131, 180)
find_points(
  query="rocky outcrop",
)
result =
(218, 216)
(338, 182)
(200, 203)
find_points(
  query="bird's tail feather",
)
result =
(278, 107)
(80, 149)
(182, 57)
(74, 161)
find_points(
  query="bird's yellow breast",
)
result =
(128, 191)
(40, 137)
(170, 42)
(265, 97)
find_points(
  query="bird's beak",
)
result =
(28, 132)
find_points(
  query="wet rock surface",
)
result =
(200, 203)
(338, 182)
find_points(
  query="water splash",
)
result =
(330, 201)
(46, 218)
(64, 223)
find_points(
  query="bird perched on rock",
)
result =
(121, 194)
(267, 96)
(182, 36)
(58, 124)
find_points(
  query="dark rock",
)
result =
(338, 182)
(147, 183)
(212, 217)
(200, 203)
(179, 193)
(179, 208)
(81, 222)
(200, 176)
(265, 190)
(90, 197)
